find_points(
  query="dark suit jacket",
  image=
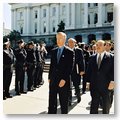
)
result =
(100, 78)
(79, 60)
(61, 70)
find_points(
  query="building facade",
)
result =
(5, 30)
(83, 21)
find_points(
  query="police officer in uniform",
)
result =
(31, 65)
(38, 76)
(8, 59)
(20, 54)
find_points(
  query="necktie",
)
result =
(99, 61)
(58, 55)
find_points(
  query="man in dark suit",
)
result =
(78, 69)
(59, 75)
(100, 74)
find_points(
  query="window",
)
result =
(36, 14)
(63, 10)
(53, 11)
(88, 4)
(53, 25)
(44, 27)
(44, 12)
(35, 28)
(95, 4)
(95, 18)
(110, 16)
(21, 30)
(21, 15)
(88, 19)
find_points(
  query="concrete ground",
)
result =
(36, 102)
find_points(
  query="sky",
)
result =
(7, 15)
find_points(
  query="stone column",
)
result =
(38, 21)
(73, 15)
(15, 20)
(57, 15)
(28, 21)
(12, 19)
(99, 24)
(67, 15)
(25, 21)
(85, 20)
(48, 19)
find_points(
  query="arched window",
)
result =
(88, 19)
(44, 27)
(53, 26)
(78, 38)
(91, 37)
(106, 36)
(95, 18)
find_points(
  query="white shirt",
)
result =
(102, 54)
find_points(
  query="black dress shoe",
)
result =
(17, 93)
(69, 103)
(23, 92)
(78, 99)
(4, 98)
(30, 89)
(9, 96)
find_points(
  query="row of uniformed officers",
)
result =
(26, 57)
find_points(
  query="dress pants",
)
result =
(20, 75)
(63, 98)
(31, 75)
(7, 77)
(96, 95)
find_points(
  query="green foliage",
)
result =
(61, 27)
(14, 36)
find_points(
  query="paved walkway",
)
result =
(36, 102)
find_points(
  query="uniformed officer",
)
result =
(31, 65)
(20, 54)
(38, 76)
(43, 53)
(8, 59)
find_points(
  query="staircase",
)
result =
(46, 66)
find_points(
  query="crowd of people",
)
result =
(71, 64)
(29, 58)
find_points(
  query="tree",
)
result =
(61, 27)
(14, 36)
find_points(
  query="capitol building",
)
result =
(83, 21)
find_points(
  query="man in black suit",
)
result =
(59, 75)
(100, 74)
(78, 69)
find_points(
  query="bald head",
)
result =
(61, 39)
(71, 42)
(100, 46)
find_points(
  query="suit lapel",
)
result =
(103, 60)
(95, 61)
